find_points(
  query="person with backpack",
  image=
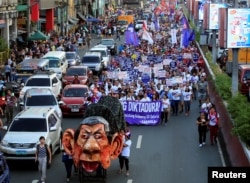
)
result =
(43, 154)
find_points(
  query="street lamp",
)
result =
(61, 5)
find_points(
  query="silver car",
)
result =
(73, 58)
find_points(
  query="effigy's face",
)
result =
(93, 147)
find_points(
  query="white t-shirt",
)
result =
(147, 99)
(176, 94)
(126, 150)
(186, 95)
(165, 103)
(205, 106)
(213, 119)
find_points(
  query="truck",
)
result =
(243, 58)
(124, 21)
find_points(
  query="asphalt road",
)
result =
(159, 154)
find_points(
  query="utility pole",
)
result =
(28, 19)
(62, 17)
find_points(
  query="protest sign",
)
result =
(142, 113)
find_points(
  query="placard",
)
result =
(238, 35)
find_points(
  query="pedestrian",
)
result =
(176, 95)
(10, 104)
(213, 118)
(88, 41)
(202, 122)
(202, 90)
(187, 96)
(67, 159)
(7, 71)
(43, 154)
(165, 110)
(1, 122)
(125, 154)
(118, 36)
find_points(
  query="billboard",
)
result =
(214, 15)
(238, 26)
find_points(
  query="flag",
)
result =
(185, 37)
(131, 37)
(156, 24)
(146, 36)
(184, 22)
(173, 36)
(191, 35)
(144, 26)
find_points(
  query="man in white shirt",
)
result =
(145, 98)
(176, 96)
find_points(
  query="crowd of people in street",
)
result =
(183, 81)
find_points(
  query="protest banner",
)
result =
(142, 113)
(187, 56)
(123, 75)
(166, 61)
(161, 74)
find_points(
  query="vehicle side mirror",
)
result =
(53, 128)
(5, 128)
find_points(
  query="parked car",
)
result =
(110, 43)
(22, 135)
(40, 97)
(73, 58)
(81, 71)
(72, 99)
(45, 80)
(4, 170)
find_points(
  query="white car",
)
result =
(22, 136)
(139, 24)
(40, 97)
(105, 53)
(45, 80)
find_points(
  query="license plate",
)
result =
(21, 152)
(74, 110)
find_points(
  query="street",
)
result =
(159, 154)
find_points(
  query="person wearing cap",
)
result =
(125, 154)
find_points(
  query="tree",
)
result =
(3, 45)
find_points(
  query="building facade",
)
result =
(8, 20)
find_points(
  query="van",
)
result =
(105, 53)
(57, 62)
(93, 60)
(244, 80)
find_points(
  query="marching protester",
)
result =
(213, 118)
(10, 105)
(202, 123)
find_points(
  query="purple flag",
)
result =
(184, 22)
(191, 35)
(185, 37)
(156, 23)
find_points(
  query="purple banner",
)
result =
(142, 113)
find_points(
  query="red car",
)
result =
(81, 71)
(73, 98)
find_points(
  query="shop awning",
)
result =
(72, 21)
(81, 16)
(38, 36)
(22, 7)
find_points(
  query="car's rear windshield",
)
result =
(90, 59)
(41, 100)
(107, 42)
(75, 92)
(70, 55)
(76, 71)
(28, 125)
(38, 82)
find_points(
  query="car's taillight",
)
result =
(3, 98)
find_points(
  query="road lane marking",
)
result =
(138, 145)
(221, 154)
(35, 181)
(129, 181)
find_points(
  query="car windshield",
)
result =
(76, 71)
(107, 42)
(103, 53)
(90, 59)
(70, 55)
(122, 22)
(41, 100)
(75, 92)
(54, 63)
(38, 82)
(247, 75)
(28, 125)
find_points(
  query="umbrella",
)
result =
(38, 35)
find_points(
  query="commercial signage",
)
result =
(238, 26)
(214, 15)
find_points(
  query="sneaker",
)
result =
(203, 143)
(200, 145)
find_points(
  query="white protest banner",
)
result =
(166, 61)
(187, 56)
(141, 68)
(110, 75)
(169, 82)
(123, 75)
(144, 58)
(162, 73)
(147, 70)
(178, 80)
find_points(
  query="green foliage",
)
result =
(3, 45)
